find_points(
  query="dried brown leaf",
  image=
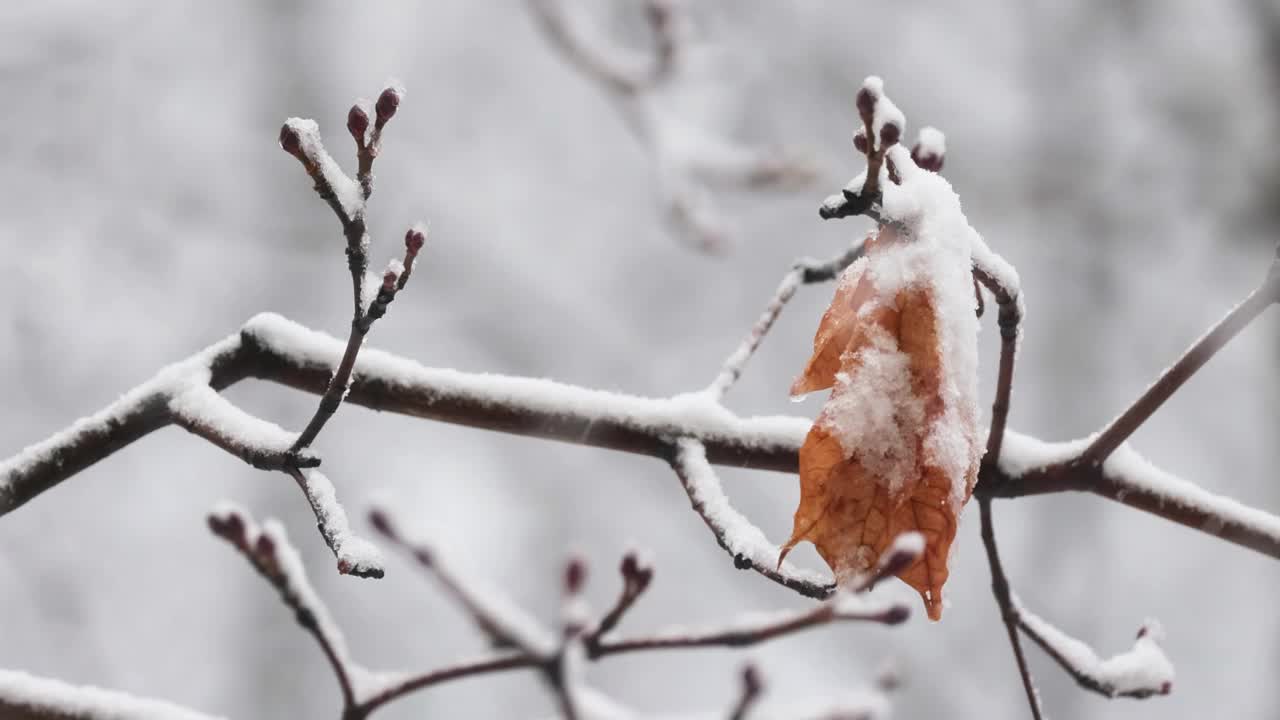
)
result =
(855, 500)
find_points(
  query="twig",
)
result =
(636, 576)
(683, 169)
(1009, 317)
(268, 550)
(742, 540)
(355, 555)
(1192, 360)
(752, 687)
(840, 607)
(802, 273)
(1004, 601)
(303, 142)
(1140, 673)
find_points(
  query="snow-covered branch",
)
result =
(1140, 672)
(272, 348)
(27, 697)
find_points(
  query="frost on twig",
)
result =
(355, 555)
(27, 697)
(687, 158)
(1140, 672)
(743, 541)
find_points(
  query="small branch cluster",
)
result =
(688, 159)
(519, 640)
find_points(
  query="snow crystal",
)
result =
(350, 197)
(353, 552)
(874, 409)
(39, 697)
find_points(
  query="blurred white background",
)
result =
(1122, 155)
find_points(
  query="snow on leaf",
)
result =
(896, 447)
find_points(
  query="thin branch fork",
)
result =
(268, 551)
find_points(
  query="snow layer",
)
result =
(931, 141)
(1022, 454)
(43, 695)
(874, 408)
(1144, 668)
(741, 537)
(354, 553)
(695, 414)
(348, 193)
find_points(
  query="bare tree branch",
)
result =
(27, 697)
(1267, 294)
(1008, 610)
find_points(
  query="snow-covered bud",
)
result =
(860, 141)
(890, 134)
(358, 123)
(575, 575)
(265, 547)
(635, 571)
(930, 149)
(866, 100)
(229, 525)
(414, 239)
(290, 140)
(395, 269)
(388, 103)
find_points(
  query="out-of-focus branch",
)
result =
(840, 607)
(1004, 601)
(560, 661)
(803, 272)
(27, 697)
(268, 550)
(686, 158)
(752, 686)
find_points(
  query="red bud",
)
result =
(290, 141)
(860, 141)
(575, 575)
(414, 239)
(866, 102)
(890, 134)
(357, 123)
(388, 103)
